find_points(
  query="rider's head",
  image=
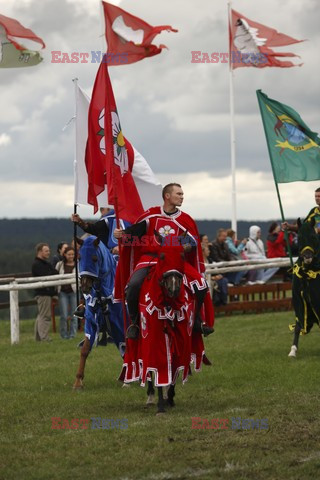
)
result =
(172, 195)
(317, 196)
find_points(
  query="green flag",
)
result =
(294, 149)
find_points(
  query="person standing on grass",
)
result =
(41, 267)
(67, 295)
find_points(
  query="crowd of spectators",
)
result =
(226, 248)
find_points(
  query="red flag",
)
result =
(12, 53)
(109, 156)
(250, 44)
(128, 37)
(14, 29)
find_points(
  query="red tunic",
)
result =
(167, 344)
(169, 229)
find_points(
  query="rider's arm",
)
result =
(188, 243)
(289, 227)
(136, 230)
(99, 228)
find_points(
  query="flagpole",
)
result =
(75, 82)
(232, 136)
(275, 182)
(116, 211)
(102, 28)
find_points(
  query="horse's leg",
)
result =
(171, 394)
(294, 348)
(150, 392)
(160, 401)
(85, 350)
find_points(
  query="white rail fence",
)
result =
(16, 284)
(29, 284)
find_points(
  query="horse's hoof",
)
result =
(126, 385)
(150, 400)
(165, 392)
(293, 351)
(133, 332)
(160, 414)
(77, 388)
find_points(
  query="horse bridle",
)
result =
(176, 275)
(307, 254)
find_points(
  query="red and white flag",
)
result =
(250, 44)
(148, 185)
(128, 37)
(13, 53)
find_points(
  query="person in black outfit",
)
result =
(41, 267)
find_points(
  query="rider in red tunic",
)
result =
(142, 242)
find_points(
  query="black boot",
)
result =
(200, 326)
(206, 330)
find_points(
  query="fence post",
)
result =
(14, 314)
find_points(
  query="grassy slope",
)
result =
(252, 377)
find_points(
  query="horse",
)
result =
(306, 283)
(167, 343)
(97, 268)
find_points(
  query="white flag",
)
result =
(148, 186)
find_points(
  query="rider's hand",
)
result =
(78, 220)
(187, 247)
(75, 218)
(118, 232)
(284, 226)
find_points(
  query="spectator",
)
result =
(255, 251)
(276, 246)
(276, 242)
(220, 253)
(59, 255)
(235, 247)
(218, 282)
(67, 295)
(204, 240)
(41, 267)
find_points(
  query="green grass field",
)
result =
(251, 377)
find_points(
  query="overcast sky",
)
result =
(175, 112)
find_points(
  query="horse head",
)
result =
(170, 271)
(308, 242)
(88, 262)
